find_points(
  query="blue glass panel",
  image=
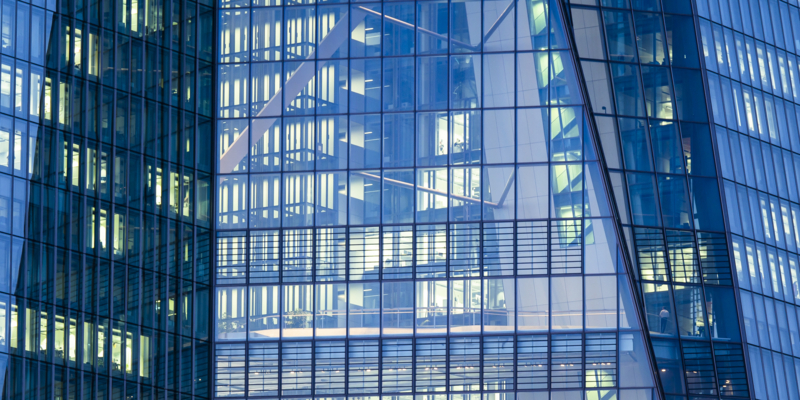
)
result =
(498, 80)
(563, 80)
(566, 126)
(532, 87)
(398, 196)
(628, 90)
(432, 27)
(398, 29)
(499, 35)
(722, 319)
(566, 184)
(733, 207)
(398, 140)
(332, 24)
(635, 144)
(365, 141)
(532, 24)
(678, 7)
(757, 368)
(432, 139)
(668, 358)
(332, 93)
(431, 84)
(465, 135)
(691, 316)
(674, 202)
(465, 194)
(498, 136)
(365, 32)
(365, 85)
(331, 201)
(465, 81)
(300, 33)
(265, 200)
(690, 107)
(365, 197)
(643, 200)
(532, 134)
(697, 149)
(398, 77)
(650, 37)
(465, 22)
(499, 194)
(706, 204)
(331, 151)
(619, 33)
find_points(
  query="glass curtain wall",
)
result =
(409, 203)
(749, 51)
(642, 67)
(105, 188)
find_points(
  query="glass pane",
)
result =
(644, 205)
(633, 368)
(298, 311)
(498, 139)
(601, 302)
(567, 303)
(658, 309)
(499, 307)
(533, 304)
(691, 317)
(431, 307)
(364, 309)
(398, 308)
(264, 304)
(465, 306)
(330, 318)
(532, 87)
(498, 82)
(231, 315)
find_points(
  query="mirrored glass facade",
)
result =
(749, 52)
(105, 189)
(645, 77)
(409, 204)
(400, 200)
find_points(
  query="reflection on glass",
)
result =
(691, 317)
(264, 306)
(330, 312)
(533, 304)
(498, 305)
(658, 309)
(298, 312)
(231, 318)
(398, 308)
(431, 307)
(601, 302)
(364, 309)
(465, 306)
(566, 303)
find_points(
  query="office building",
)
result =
(400, 200)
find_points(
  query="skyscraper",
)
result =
(105, 190)
(400, 200)
(410, 203)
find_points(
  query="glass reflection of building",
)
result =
(694, 106)
(409, 203)
(105, 184)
